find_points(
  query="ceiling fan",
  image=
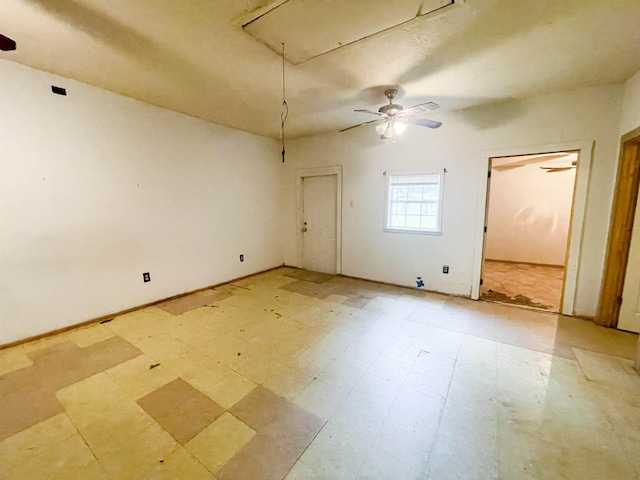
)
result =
(574, 164)
(393, 118)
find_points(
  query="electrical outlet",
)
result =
(242, 257)
(146, 277)
(445, 269)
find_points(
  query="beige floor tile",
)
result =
(180, 465)
(476, 389)
(300, 471)
(259, 368)
(227, 391)
(335, 453)
(90, 334)
(12, 359)
(614, 372)
(140, 376)
(51, 449)
(288, 382)
(220, 441)
(129, 455)
(98, 399)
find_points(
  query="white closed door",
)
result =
(319, 223)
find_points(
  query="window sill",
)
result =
(419, 232)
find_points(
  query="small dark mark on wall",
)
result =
(154, 365)
(106, 321)
(59, 90)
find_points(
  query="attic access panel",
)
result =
(309, 28)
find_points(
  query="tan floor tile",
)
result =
(181, 409)
(137, 377)
(515, 392)
(179, 465)
(220, 441)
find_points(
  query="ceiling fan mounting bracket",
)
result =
(391, 93)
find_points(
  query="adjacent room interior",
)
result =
(528, 221)
(246, 239)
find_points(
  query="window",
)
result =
(414, 203)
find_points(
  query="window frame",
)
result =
(387, 207)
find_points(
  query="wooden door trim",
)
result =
(621, 220)
(301, 174)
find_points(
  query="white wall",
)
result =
(529, 215)
(368, 252)
(630, 117)
(629, 318)
(96, 189)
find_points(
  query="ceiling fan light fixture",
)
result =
(381, 127)
(399, 127)
(388, 131)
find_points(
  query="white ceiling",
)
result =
(194, 57)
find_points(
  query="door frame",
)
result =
(578, 209)
(301, 174)
(621, 222)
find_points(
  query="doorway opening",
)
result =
(527, 226)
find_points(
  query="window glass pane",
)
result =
(431, 192)
(428, 222)
(397, 221)
(413, 221)
(414, 202)
(413, 208)
(415, 193)
(399, 208)
(430, 208)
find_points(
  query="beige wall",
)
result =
(97, 188)
(529, 215)
(585, 115)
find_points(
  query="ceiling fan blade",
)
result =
(506, 167)
(420, 108)
(556, 169)
(6, 43)
(423, 122)
(360, 124)
(529, 159)
(371, 112)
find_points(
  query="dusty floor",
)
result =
(294, 375)
(537, 286)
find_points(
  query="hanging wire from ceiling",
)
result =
(285, 111)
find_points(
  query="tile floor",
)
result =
(289, 374)
(536, 286)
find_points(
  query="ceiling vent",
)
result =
(310, 28)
